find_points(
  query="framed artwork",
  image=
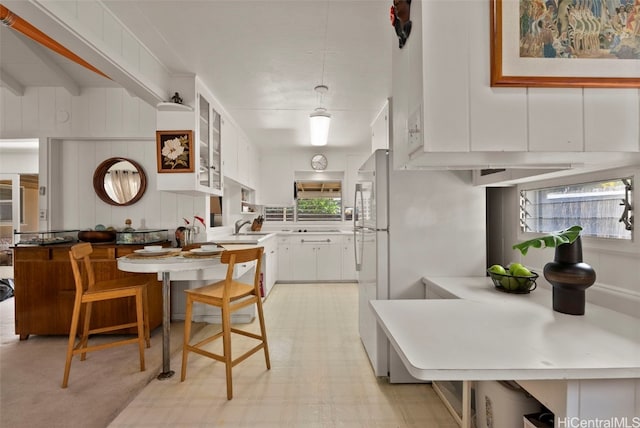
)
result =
(174, 150)
(565, 43)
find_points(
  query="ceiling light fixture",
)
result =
(319, 121)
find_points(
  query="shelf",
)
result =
(165, 106)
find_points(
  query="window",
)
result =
(315, 200)
(278, 214)
(6, 214)
(603, 208)
(318, 200)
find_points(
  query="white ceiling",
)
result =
(260, 58)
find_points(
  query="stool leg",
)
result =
(187, 337)
(140, 322)
(226, 346)
(75, 319)
(263, 330)
(84, 340)
(145, 302)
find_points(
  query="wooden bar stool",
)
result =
(228, 295)
(88, 290)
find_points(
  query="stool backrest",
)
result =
(233, 257)
(82, 252)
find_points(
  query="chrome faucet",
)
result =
(239, 224)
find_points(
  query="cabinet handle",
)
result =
(323, 240)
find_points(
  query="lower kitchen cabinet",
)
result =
(45, 290)
(348, 259)
(270, 265)
(285, 273)
(316, 258)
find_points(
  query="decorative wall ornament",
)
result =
(400, 15)
(174, 151)
(565, 43)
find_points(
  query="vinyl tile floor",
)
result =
(320, 375)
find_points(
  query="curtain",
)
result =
(122, 185)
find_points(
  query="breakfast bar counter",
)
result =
(467, 330)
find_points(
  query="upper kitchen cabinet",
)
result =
(445, 114)
(240, 157)
(380, 129)
(210, 160)
(204, 176)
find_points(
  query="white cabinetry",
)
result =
(463, 123)
(240, 157)
(380, 130)
(316, 258)
(230, 152)
(204, 122)
(270, 264)
(285, 272)
(348, 259)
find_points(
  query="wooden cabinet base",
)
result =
(45, 290)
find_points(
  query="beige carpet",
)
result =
(99, 387)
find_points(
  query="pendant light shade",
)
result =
(319, 122)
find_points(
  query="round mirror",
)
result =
(119, 181)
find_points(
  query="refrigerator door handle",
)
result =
(355, 249)
(356, 211)
(357, 228)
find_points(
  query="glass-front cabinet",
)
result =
(201, 115)
(209, 174)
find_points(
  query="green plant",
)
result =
(552, 239)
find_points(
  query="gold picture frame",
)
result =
(596, 68)
(174, 151)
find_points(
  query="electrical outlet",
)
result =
(43, 214)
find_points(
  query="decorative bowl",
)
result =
(96, 236)
(514, 284)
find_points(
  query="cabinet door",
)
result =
(284, 263)
(329, 261)
(230, 149)
(348, 259)
(215, 154)
(272, 270)
(204, 141)
(244, 164)
(303, 261)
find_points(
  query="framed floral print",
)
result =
(565, 43)
(174, 151)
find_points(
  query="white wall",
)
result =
(278, 172)
(80, 206)
(76, 135)
(12, 162)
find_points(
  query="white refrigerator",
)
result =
(408, 225)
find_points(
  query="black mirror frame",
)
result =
(101, 172)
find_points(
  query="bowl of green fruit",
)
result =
(514, 279)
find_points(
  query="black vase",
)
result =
(570, 278)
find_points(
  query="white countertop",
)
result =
(487, 334)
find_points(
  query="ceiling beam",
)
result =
(44, 55)
(87, 44)
(9, 82)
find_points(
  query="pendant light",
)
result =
(319, 121)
